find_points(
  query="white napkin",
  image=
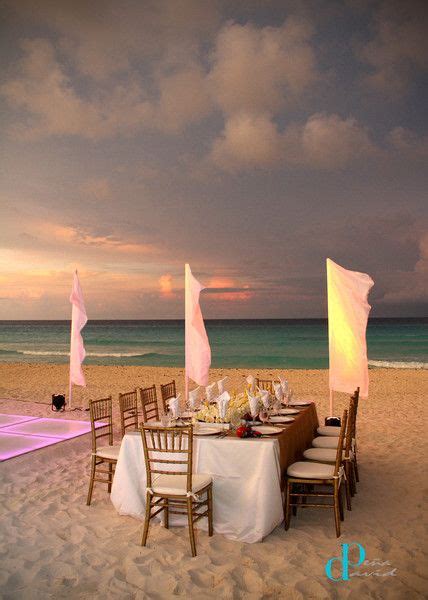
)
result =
(284, 385)
(193, 398)
(279, 394)
(251, 382)
(221, 385)
(265, 396)
(173, 404)
(254, 404)
(222, 404)
(210, 391)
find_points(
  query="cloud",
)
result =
(330, 142)
(323, 142)
(184, 99)
(248, 141)
(45, 92)
(225, 289)
(258, 69)
(97, 189)
(399, 47)
(104, 38)
(408, 143)
(165, 285)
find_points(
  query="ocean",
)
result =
(263, 343)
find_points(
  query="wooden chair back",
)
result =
(265, 384)
(168, 451)
(168, 390)
(350, 427)
(149, 404)
(356, 398)
(339, 452)
(128, 411)
(101, 410)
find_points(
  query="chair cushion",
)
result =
(324, 441)
(177, 484)
(324, 455)
(108, 452)
(327, 455)
(310, 470)
(328, 430)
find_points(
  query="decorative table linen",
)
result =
(247, 476)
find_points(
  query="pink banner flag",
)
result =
(348, 312)
(78, 321)
(197, 347)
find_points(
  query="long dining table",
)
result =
(248, 477)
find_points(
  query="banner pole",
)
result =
(186, 389)
(70, 385)
(331, 402)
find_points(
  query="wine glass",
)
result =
(166, 420)
(264, 415)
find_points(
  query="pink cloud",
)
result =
(165, 285)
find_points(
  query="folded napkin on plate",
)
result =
(254, 404)
(211, 391)
(222, 385)
(284, 385)
(173, 404)
(265, 397)
(193, 398)
(252, 383)
(222, 404)
(279, 394)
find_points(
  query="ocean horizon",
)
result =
(235, 343)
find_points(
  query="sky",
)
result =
(250, 139)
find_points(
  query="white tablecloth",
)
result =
(246, 484)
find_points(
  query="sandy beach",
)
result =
(54, 546)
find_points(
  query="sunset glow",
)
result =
(232, 136)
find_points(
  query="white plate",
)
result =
(300, 402)
(280, 419)
(288, 411)
(268, 430)
(206, 431)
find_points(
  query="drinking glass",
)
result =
(166, 420)
(264, 415)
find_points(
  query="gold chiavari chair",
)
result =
(171, 485)
(101, 410)
(168, 390)
(128, 411)
(308, 475)
(330, 441)
(265, 384)
(328, 455)
(332, 431)
(149, 404)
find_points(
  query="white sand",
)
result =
(53, 546)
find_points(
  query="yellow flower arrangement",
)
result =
(237, 407)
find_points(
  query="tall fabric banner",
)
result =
(78, 321)
(197, 346)
(348, 312)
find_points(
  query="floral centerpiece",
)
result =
(237, 408)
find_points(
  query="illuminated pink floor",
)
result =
(21, 434)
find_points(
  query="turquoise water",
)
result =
(276, 343)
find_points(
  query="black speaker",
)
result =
(58, 402)
(333, 421)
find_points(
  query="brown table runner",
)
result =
(297, 437)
